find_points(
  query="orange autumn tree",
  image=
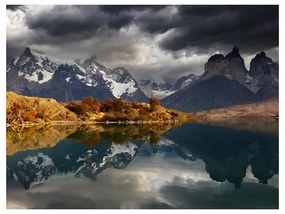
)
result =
(153, 102)
(93, 103)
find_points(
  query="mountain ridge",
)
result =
(226, 82)
(33, 74)
(36, 74)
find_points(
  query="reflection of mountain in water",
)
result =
(33, 167)
(227, 153)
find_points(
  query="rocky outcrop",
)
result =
(231, 66)
(265, 73)
(261, 64)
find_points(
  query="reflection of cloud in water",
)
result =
(185, 194)
(249, 177)
(152, 182)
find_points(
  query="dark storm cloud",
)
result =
(14, 7)
(158, 40)
(117, 9)
(252, 28)
(119, 21)
(86, 20)
(158, 23)
(199, 28)
(67, 20)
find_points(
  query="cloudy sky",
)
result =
(156, 42)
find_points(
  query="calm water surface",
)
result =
(190, 166)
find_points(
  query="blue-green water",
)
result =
(190, 166)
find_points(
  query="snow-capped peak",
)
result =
(33, 66)
(38, 68)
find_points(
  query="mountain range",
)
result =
(224, 82)
(35, 74)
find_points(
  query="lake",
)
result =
(142, 166)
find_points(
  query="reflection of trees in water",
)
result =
(89, 135)
(36, 137)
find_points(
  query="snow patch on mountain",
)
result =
(119, 89)
(161, 90)
(129, 148)
(161, 94)
(40, 160)
(40, 76)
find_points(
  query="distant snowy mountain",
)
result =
(158, 90)
(36, 74)
(185, 81)
(164, 89)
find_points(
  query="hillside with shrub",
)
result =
(120, 110)
(34, 110)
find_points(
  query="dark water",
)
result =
(190, 166)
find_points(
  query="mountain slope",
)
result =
(215, 92)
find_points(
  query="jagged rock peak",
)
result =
(94, 57)
(216, 57)
(90, 60)
(233, 54)
(261, 56)
(261, 64)
(27, 51)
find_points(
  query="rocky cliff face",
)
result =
(261, 64)
(265, 75)
(232, 66)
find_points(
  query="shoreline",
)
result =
(199, 118)
(140, 122)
